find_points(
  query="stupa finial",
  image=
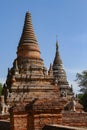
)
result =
(56, 43)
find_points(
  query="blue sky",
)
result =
(65, 18)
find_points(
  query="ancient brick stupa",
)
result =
(31, 88)
(28, 78)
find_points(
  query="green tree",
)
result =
(0, 89)
(83, 100)
(81, 78)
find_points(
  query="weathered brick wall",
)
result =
(74, 119)
(19, 122)
(30, 121)
(37, 121)
(43, 119)
(4, 117)
(34, 122)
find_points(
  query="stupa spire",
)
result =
(57, 59)
(28, 45)
(56, 43)
(28, 34)
(58, 70)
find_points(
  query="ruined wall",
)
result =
(4, 117)
(31, 121)
(43, 119)
(74, 119)
(19, 121)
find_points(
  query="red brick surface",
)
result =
(74, 119)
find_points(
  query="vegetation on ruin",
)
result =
(83, 100)
(81, 79)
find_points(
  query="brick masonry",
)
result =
(34, 122)
(42, 119)
(74, 119)
(19, 121)
(37, 121)
(35, 116)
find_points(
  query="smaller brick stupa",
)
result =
(60, 75)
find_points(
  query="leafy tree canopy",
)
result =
(81, 78)
(83, 100)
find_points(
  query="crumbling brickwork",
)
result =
(34, 122)
(19, 121)
(74, 119)
(37, 114)
(38, 121)
(41, 120)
